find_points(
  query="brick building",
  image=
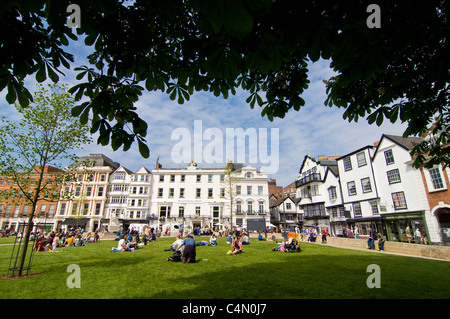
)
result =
(14, 211)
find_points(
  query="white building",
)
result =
(403, 199)
(194, 197)
(320, 194)
(359, 190)
(285, 213)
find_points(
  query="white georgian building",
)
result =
(193, 197)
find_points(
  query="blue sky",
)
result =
(314, 130)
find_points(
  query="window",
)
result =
(183, 178)
(210, 192)
(88, 191)
(164, 211)
(374, 206)
(347, 164)
(118, 176)
(171, 192)
(172, 178)
(77, 191)
(16, 211)
(8, 210)
(102, 178)
(238, 190)
(314, 210)
(315, 190)
(160, 192)
(393, 176)
(210, 178)
(249, 190)
(332, 192)
(389, 156)
(365, 183)
(436, 178)
(97, 208)
(100, 192)
(361, 158)
(198, 192)
(357, 209)
(62, 209)
(199, 178)
(181, 211)
(181, 192)
(250, 207)
(42, 211)
(260, 190)
(197, 210)
(222, 178)
(25, 210)
(261, 207)
(351, 188)
(161, 178)
(85, 208)
(222, 192)
(248, 175)
(238, 207)
(288, 206)
(399, 200)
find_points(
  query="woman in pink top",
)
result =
(55, 242)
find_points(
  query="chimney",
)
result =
(158, 165)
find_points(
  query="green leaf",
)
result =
(143, 149)
(40, 74)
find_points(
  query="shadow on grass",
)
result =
(313, 273)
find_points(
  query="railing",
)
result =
(307, 179)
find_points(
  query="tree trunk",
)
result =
(26, 240)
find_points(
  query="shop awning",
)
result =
(75, 221)
(364, 219)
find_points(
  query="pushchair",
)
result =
(176, 257)
(293, 245)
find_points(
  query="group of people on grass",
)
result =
(54, 239)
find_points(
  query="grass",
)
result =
(319, 271)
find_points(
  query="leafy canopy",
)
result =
(398, 72)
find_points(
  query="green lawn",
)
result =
(319, 271)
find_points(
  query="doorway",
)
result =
(443, 216)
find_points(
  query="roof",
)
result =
(407, 143)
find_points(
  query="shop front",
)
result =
(407, 227)
(361, 226)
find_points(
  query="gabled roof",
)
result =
(407, 143)
(142, 169)
(278, 202)
(124, 169)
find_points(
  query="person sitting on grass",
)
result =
(245, 240)
(122, 246)
(237, 246)
(177, 243)
(213, 240)
(189, 254)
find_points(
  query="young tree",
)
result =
(44, 137)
